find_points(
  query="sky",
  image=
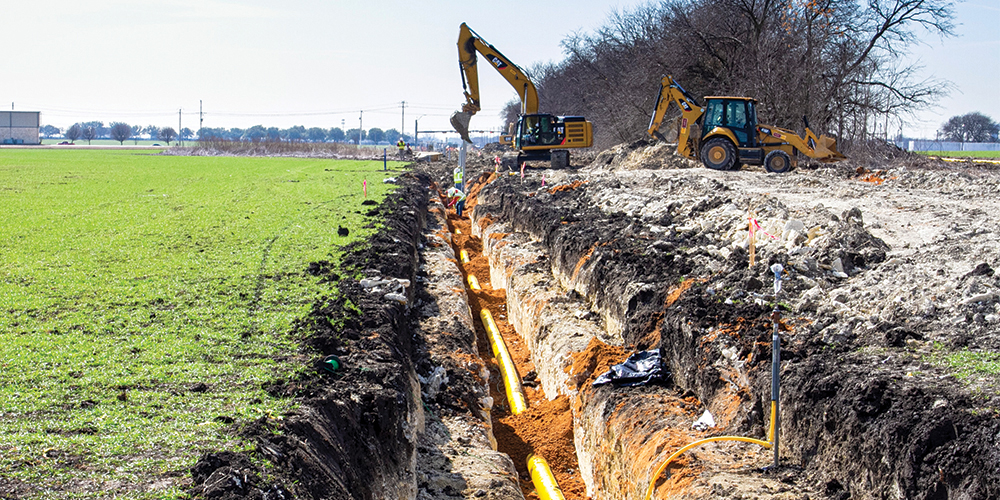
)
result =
(343, 63)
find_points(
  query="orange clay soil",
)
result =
(546, 428)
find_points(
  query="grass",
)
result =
(980, 370)
(962, 154)
(127, 280)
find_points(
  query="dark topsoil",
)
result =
(849, 420)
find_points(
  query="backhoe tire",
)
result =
(719, 154)
(777, 162)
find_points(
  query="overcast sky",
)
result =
(318, 63)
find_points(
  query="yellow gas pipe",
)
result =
(511, 380)
(542, 478)
(541, 474)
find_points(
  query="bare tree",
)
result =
(836, 61)
(120, 132)
(970, 127)
(73, 133)
(167, 134)
(89, 133)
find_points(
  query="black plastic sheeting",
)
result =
(640, 368)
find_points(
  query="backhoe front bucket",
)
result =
(826, 149)
(460, 122)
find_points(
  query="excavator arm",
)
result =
(469, 44)
(691, 111)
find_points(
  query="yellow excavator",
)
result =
(724, 133)
(536, 136)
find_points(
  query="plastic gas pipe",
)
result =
(511, 380)
(473, 282)
(652, 482)
(541, 474)
(542, 478)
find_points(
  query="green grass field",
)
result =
(962, 154)
(127, 279)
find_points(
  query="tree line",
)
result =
(122, 132)
(259, 133)
(839, 62)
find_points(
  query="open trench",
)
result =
(599, 443)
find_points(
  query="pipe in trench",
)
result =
(511, 380)
(542, 478)
(652, 482)
(541, 474)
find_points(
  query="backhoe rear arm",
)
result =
(691, 111)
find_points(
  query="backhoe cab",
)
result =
(724, 133)
(536, 136)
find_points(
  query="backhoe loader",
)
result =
(536, 136)
(724, 133)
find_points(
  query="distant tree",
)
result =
(136, 132)
(187, 134)
(100, 131)
(296, 133)
(48, 131)
(120, 132)
(273, 134)
(255, 133)
(970, 127)
(391, 135)
(167, 134)
(233, 134)
(354, 134)
(376, 134)
(89, 133)
(153, 131)
(336, 134)
(73, 133)
(316, 134)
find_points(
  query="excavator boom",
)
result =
(469, 44)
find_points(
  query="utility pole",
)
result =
(181, 140)
(201, 116)
(402, 119)
(360, 126)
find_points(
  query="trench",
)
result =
(599, 443)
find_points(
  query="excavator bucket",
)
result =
(460, 121)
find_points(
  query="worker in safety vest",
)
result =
(456, 198)
(401, 144)
(458, 178)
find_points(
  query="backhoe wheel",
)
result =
(719, 154)
(778, 162)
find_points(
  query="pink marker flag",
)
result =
(364, 187)
(543, 180)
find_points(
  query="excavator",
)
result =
(724, 133)
(536, 136)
